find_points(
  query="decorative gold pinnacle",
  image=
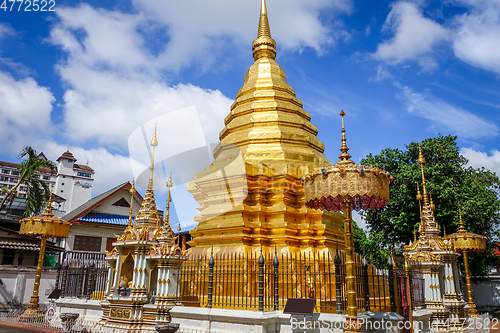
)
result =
(461, 227)
(154, 143)
(419, 195)
(421, 161)
(148, 214)
(48, 209)
(345, 158)
(132, 193)
(264, 29)
(264, 45)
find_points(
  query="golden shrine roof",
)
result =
(266, 121)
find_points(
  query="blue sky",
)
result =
(89, 74)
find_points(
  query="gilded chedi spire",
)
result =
(267, 135)
(345, 158)
(148, 214)
(429, 224)
(267, 122)
(264, 45)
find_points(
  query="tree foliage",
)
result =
(37, 190)
(449, 181)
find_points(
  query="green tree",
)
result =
(449, 181)
(37, 191)
(371, 247)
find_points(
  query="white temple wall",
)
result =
(18, 283)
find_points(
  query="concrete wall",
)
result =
(486, 294)
(18, 282)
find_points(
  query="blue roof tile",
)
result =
(106, 218)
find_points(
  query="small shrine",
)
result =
(143, 268)
(436, 259)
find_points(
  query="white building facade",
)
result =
(73, 181)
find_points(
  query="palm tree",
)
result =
(37, 191)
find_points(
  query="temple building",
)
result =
(436, 259)
(260, 201)
(143, 267)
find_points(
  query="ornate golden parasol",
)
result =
(44, 226)
(346, 186)
(464, 241)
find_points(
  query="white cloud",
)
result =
(414, 36)
(24, 111)
(200, 29)
(111, 92)
(100, 38)
(477, 39)
(478, 159)
(6, 30)
(460, 122)
(382, 74)
(116, 78)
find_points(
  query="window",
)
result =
(22, 195)
(7, 172)
(84, 174)
(64, 176)
(86, 243)
(109, 243)
(46, 177)
(15, 173)
(37, 176)
(62, 183)
(62, 191)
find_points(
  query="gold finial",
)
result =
(461, 227)
(48, 209)
(421, 161)
(264, 45)
(344, 157)
(154, 140)
(419, 195)
(422, 224)
(169, 182)
(132, 193)
(154, 143)
(167, 214)
(432, 204)
(444, 230)
(169, 185)
(414, 234)
(264, 30)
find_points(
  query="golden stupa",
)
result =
(253, 193)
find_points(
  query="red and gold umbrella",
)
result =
(346, 186)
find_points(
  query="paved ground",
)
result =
(19, 328)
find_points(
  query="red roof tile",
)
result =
(67, 154)
(82, 167)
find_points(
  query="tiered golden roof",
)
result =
(252, 193)
(429, 247)
(45, 225)
(267, 122)
(148, 214)
(464, 240)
